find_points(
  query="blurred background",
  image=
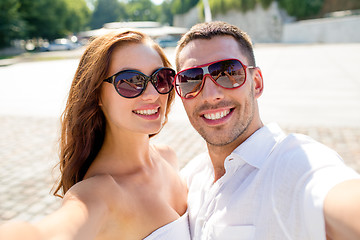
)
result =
(45, 25)
(308, 51)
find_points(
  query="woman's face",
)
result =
(143, 114)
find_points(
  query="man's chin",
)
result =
(217, 141)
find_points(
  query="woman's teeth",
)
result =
(218, 115)
(146, 112)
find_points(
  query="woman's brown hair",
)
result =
(83, 122)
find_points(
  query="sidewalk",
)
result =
(28, 157)
(42, 56)
(300, 102)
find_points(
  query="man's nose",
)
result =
(211, 91)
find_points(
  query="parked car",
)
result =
(167, 41)
(60, 44)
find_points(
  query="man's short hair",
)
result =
(209, 30)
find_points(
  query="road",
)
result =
(311, 85)
(307, 85)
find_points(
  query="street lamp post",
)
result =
(207, 11)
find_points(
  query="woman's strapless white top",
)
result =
(178, 229)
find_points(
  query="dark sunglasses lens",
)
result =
(228, 73)
(129, 84)
(164, 78)
(188, 83)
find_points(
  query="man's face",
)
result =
(222, 116)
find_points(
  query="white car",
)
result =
(60, 45)
(167, 41)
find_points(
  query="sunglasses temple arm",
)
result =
(109, 80)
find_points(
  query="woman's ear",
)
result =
(258, 82)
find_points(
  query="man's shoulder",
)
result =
(302, 149)
(299, 157)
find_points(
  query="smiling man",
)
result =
(255, 182)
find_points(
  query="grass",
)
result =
(7, 56)
(38, 56)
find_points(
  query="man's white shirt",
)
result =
(274, 188)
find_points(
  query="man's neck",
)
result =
(218, 154)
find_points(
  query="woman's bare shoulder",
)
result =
(167, 153)
(99, 188)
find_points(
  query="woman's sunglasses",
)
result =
(228, 73)
(132, 83)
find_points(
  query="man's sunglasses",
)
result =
(228, 73)
(132, 83)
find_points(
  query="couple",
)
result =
(254, 182)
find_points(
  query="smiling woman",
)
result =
(116, 184)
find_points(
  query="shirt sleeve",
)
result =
(321, 182)
(303, 175)
(328, 170)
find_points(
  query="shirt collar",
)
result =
(259, 145)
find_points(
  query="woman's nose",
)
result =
(150, 92)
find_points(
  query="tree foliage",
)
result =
(78, 15)
(47, 19)
(166, 15)
(44, 18)
(57, 18)
(107, 11)
(11, 24)
(142, 10)
(182, 6)
(297, 8)
(223, 6)
(132, 10)
(265, 3)
(301, 8)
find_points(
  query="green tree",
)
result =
(218, 7)
(223, 6)
(248, 5)
(142, 10)
(11, 24)
(265, 3)
(182, 6)
(298, 8)
(44, 18)
(47, 19)
(78, 15)
(107, 11)
(301, 8)
(166, 15)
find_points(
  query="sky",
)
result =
(157, 1)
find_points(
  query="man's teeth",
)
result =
(146, 112)
(218, 115)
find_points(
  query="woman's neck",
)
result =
(122, 153)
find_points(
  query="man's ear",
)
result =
(258, 82)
